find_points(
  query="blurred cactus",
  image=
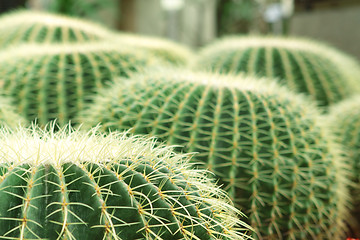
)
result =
(320, 71)
(72, 185)
(169, 51)
(8, 116)
(266, 146)
(24, 26)
(55, 81)
(345, 122)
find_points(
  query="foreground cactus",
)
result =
(345, 122)
(266, 146)
(55, 81)
(73, 185)
(322, 72)
(8, 115)
(169, 51)
(40, 27)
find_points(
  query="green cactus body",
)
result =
(8, 116)
(322, 72)
(40, 27)
(265, 145)
(73, 185)
(169, 51)
(345, 122)
(55, 81)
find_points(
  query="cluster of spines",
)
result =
(264, 145)
(39, 27)
(50, 82)
(69, 186)
(304, 66)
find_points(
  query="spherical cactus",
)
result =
(266, 146)
(8, 116)
(322, 72)
(55, 81)
(345, 122)
(40, 27)
(73, 185)
(165, 49)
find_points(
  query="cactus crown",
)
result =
(264, 144)
(321, 71)
(77, 185)
(41, 27)
(55, 81)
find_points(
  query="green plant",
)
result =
(265, 145)
(169, 51)
(104, 11)
(77, 185)
(8, 116)
(320, 71)
(345, 122)
(24, 26)
(55, 81)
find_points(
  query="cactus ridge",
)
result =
(77, 185)
(23, 26)
(50, 82)
(264, 144)
(322, 72)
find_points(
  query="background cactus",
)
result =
(169, 51)
(55, 81)
(320, 71)
(8, 116)
(266, 146)
(72, 185)
(345, 122)
(24, 26)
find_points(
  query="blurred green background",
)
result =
(198, 22)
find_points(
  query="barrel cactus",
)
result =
(305, 66)
(8, 116)
(24, 26)
(55, 81)
(169, 51)
(266, 146)
(75, 185)
(345, 122)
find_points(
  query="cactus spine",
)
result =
(322, 72)
(266, 146)
(39, 27)
(73, 185)
(55, 81)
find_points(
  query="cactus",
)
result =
(34, 27)
(265, 145)
(55, 81)
(23, 26)
(165, 49)
(345, 122)
(8, 115)
(320, 71)
(75, 185)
